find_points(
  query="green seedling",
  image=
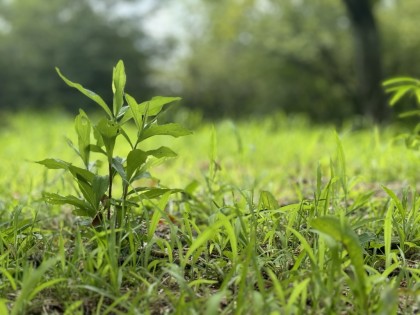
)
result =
(96, 198)
(400, 87)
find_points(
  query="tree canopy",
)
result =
(249, 57)
(36, 36)
(255, 57)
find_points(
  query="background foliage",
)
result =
(254, 57)
(233, 58)
(38, 35)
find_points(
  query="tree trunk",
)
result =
(368, 59)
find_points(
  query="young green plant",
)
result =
(400, 87)
(96, 195)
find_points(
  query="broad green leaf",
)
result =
(96, 148)
(118, 84)
(135, 111)
(87, 190)
(125, 135)
(74, 170)
(54, 164)
(174, 130)
(83, 128)
(128, 114)
(81, 172)
(267, 201)
(152, 193)
(156, 157)
(140, 174)
(84, 207)
(135, 159)
(92, 95)
(162, 152)
(117, 164)
(108, 131)
(123, 111)
(100, 185)
(154, 106)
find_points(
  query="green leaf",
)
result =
(267, 201)
(96, 148)
(417, 93)
(99, 187)
(162, 152)
(83, 128)
(108, 131)
(92, 95)
(3, 307)
(401, 80)
(87, 191)
(342, 232)
(304, 244)
(154, 106)
(153, 193)
(157, 214)
(84, 207)
(396, 200)
(410, 113)
(135, 111)
(118, 83)
(122, 116)
(117, 164)
(33, 281)
(43, 285)
(174, 130)
(399, 94)
(81, 172)
(135, 159)
(125, 135)
(54, 164)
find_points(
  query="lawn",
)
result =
(272, 216)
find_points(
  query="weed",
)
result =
(96, 198)
(400, 87)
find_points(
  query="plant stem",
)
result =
(109, 191)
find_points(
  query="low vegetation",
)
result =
(275, 216)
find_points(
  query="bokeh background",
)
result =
(325, 59)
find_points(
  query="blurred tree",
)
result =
(368, 59)
(37, 35)
(254, 57)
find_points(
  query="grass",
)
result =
(278, 217)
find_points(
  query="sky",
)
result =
(163, 22)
